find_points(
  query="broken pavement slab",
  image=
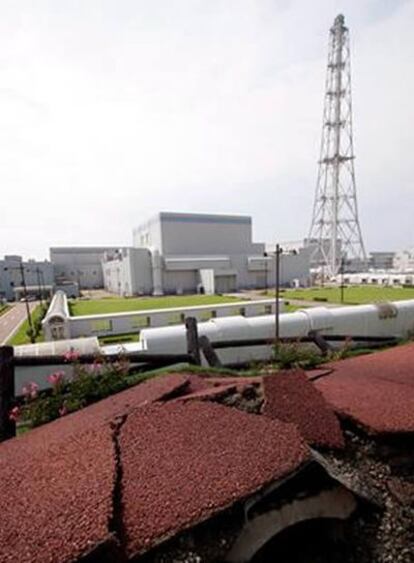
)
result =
(190, 461)
(291, 397)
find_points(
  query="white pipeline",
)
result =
(376, 320)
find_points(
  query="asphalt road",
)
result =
(10, 321)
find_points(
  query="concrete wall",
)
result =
(58, 324)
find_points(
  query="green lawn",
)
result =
(4, 309)
(21, 337)
(353, 295)
(122, 304)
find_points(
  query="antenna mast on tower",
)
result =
(335, 225)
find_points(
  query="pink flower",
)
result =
(95, 368)
(56, 378)
(63, 410)
(14, 414)
(30, 390)
(71, 355)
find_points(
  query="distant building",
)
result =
(404, 260)
(80, 264)
(381, 260)
(38, 277)
(378, 277)
(186, 253)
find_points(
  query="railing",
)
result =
(195, 346)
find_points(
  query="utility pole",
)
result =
(335, 223)
(39, 285)
(278, 252)
(342, 279)
(29, 317)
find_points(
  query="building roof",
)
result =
(203, 218)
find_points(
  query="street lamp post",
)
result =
(39, 285)
(278, 252)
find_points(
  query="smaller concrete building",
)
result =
(36, 275)
(381, 260)
(404, 260)
(81, 264)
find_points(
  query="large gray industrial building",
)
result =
(181, 253)
(186, 252)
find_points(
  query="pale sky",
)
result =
(112, 110)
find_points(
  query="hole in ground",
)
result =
(319, 540)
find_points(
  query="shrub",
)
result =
(287, 356)
(89, 384)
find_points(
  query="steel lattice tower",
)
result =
(335, 225)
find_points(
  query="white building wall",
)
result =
(130, 273)
(197, 234)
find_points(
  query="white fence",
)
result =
(111, 324)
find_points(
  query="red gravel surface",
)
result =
(55, 496)
(56, 481)
(191, 460)
(159, 388)
(376, 391)
(291, 397)
(380, 407)
(395, 365)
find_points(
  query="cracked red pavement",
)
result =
(375, 391)
(291, 397)
(124, 468)
(188, 461)
(55, 496)
(56, 482)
